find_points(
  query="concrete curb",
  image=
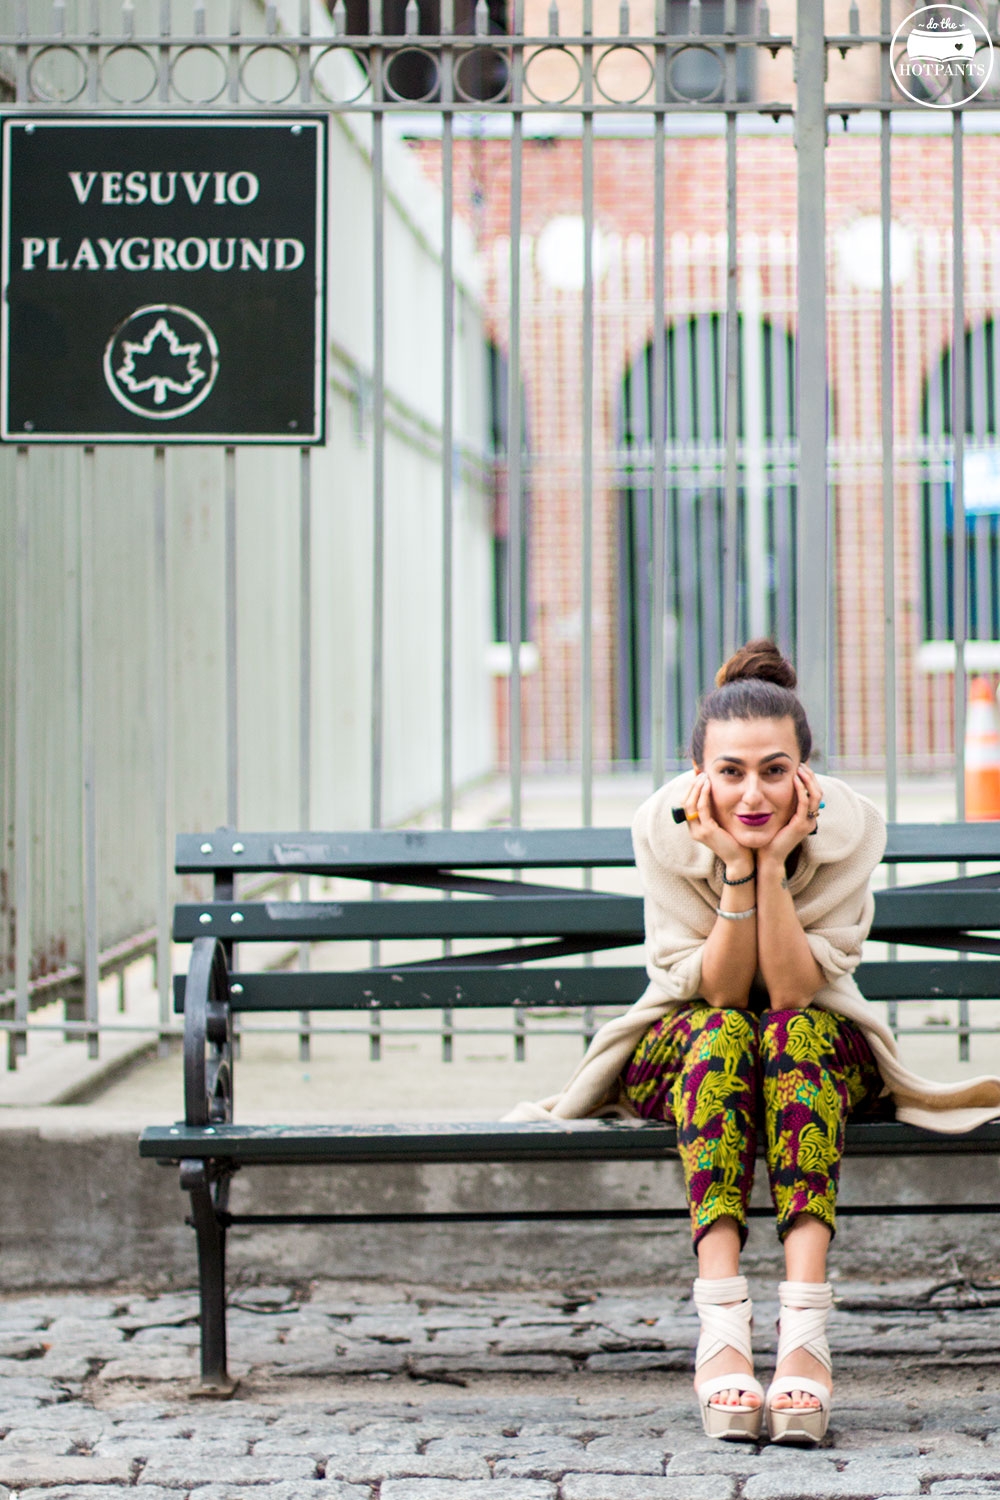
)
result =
(78, 1207)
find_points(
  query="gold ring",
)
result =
(692, 817)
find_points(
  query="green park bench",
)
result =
(492, 899)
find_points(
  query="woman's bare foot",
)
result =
(719, 1261)
(805, 1257)
(728, 1361)
(799, 1362)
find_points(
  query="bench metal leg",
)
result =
(196, 1179)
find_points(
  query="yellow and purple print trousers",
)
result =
(720, 1075)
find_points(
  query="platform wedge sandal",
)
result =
(726, 1328)
(805, 1306)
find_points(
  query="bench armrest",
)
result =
(208, 1037)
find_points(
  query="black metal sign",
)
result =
(163, 279)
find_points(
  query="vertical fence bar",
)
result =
(515, 499)
(659, 667)
(18, 1043)
(233, 52)
(161, 741)
(378, 455)
(887, 403)
(753, 370)
(93, 50)
(21, 92)
(731, 561)
(813, 540)
(231, 611)
(378, 474)
(886, 393)
(587, 471)
(447, 463)
(305, 63)
(960, 551)
(232, 642)
(163, 53)
(305, 701)
(447, 421)
(587, 456)
(91, 938)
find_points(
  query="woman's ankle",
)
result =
(718, 1250)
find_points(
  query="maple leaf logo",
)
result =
(160, 362)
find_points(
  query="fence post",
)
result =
(813, 580)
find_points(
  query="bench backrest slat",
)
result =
(370, 855)
(545, 915)
(336, 921)
(553, 987)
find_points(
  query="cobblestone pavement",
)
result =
(361, 1392)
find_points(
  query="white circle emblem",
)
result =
(161, 362)
(941, 51)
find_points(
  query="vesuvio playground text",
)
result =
(160, 253)
(132, 189)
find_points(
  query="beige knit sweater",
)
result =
(682, 881)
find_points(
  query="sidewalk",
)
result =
(375, 1391)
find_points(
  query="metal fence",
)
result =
(703, 425)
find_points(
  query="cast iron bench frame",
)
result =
(957, 914)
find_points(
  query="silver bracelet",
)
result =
(736, 916)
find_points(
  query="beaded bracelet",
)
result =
(735, 916)
(742, 881)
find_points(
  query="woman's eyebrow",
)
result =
(734, 760)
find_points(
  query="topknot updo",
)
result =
(757, 682)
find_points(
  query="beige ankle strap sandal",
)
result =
(805, 1306)
(726, 1328)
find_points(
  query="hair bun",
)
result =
(757, 659)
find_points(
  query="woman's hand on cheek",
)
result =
(704, 829)
(800, 824)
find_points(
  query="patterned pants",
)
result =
(720, 1074)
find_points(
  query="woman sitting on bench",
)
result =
(751, 1049)
(756, 881)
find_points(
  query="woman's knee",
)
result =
(777, 1028)
(734, 1030)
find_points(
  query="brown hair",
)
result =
(757, 682)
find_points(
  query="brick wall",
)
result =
(551, 364)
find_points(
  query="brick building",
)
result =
(695, 270)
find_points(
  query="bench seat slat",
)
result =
(457, 1141)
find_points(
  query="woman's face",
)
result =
(751, 766)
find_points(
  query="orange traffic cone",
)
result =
(982, 754)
